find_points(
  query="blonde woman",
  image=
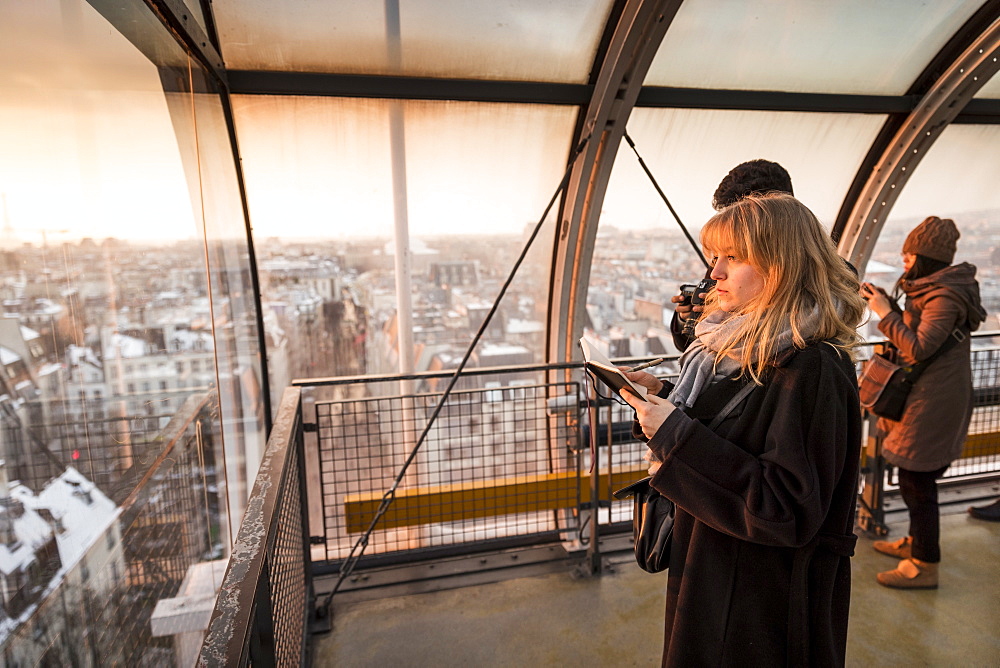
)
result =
(759, 564)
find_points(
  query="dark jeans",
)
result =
(919, 491)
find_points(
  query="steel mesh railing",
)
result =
(481, 435)
(106, 450)
(263, 607)
(288, 567)
(981, 455)
(487, 435)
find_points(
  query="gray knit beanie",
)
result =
(935, 238)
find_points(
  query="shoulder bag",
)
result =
(884, 385)
(653, 513)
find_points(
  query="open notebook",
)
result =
(601, 367)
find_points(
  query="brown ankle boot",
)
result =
(897, 548)
(911, 574)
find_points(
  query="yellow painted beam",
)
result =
(482, 498)
(522, 494)
(981, 445)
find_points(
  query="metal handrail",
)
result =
(243, 628)
(323, 381)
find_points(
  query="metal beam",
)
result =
(245, 82)
(142, 22)
(939, 107)
(766, 100)
(177, 18)
(980, 112)
(312, 84)
(633, 45)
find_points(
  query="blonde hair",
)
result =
(784, 242)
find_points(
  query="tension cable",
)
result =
(642, 163)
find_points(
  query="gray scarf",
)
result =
(700, 363)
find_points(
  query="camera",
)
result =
(692, 296)
(692, 292)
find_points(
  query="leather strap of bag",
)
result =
(956, 336)
(733, 403)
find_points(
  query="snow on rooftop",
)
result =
(524, 326)
(84, 512)
(32, 532)
(502, 349)
(128, 346)
(8, 356)
(80, 354)
(47, 307)
(48, 369)
(84, 515)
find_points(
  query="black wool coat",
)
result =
(760, 556)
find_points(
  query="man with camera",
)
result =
(754, 176)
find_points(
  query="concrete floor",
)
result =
(616, 619)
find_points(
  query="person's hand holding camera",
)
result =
(691, 299)
(684, 307)
(878, 300)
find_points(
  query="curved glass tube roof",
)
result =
(852, 47)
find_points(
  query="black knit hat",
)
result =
(936, 238)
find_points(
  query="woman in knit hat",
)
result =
(942, 301)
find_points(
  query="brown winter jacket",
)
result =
(934, 425)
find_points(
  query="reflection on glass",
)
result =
(130, 399)
(956, 179)
(208, 161)
(849, 46)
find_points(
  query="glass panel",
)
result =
(642, 255)
(956, 179)
(858, 46)
(689, 151)
(127, 313)
(230, 312)
(320, 187)
(481, 39)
